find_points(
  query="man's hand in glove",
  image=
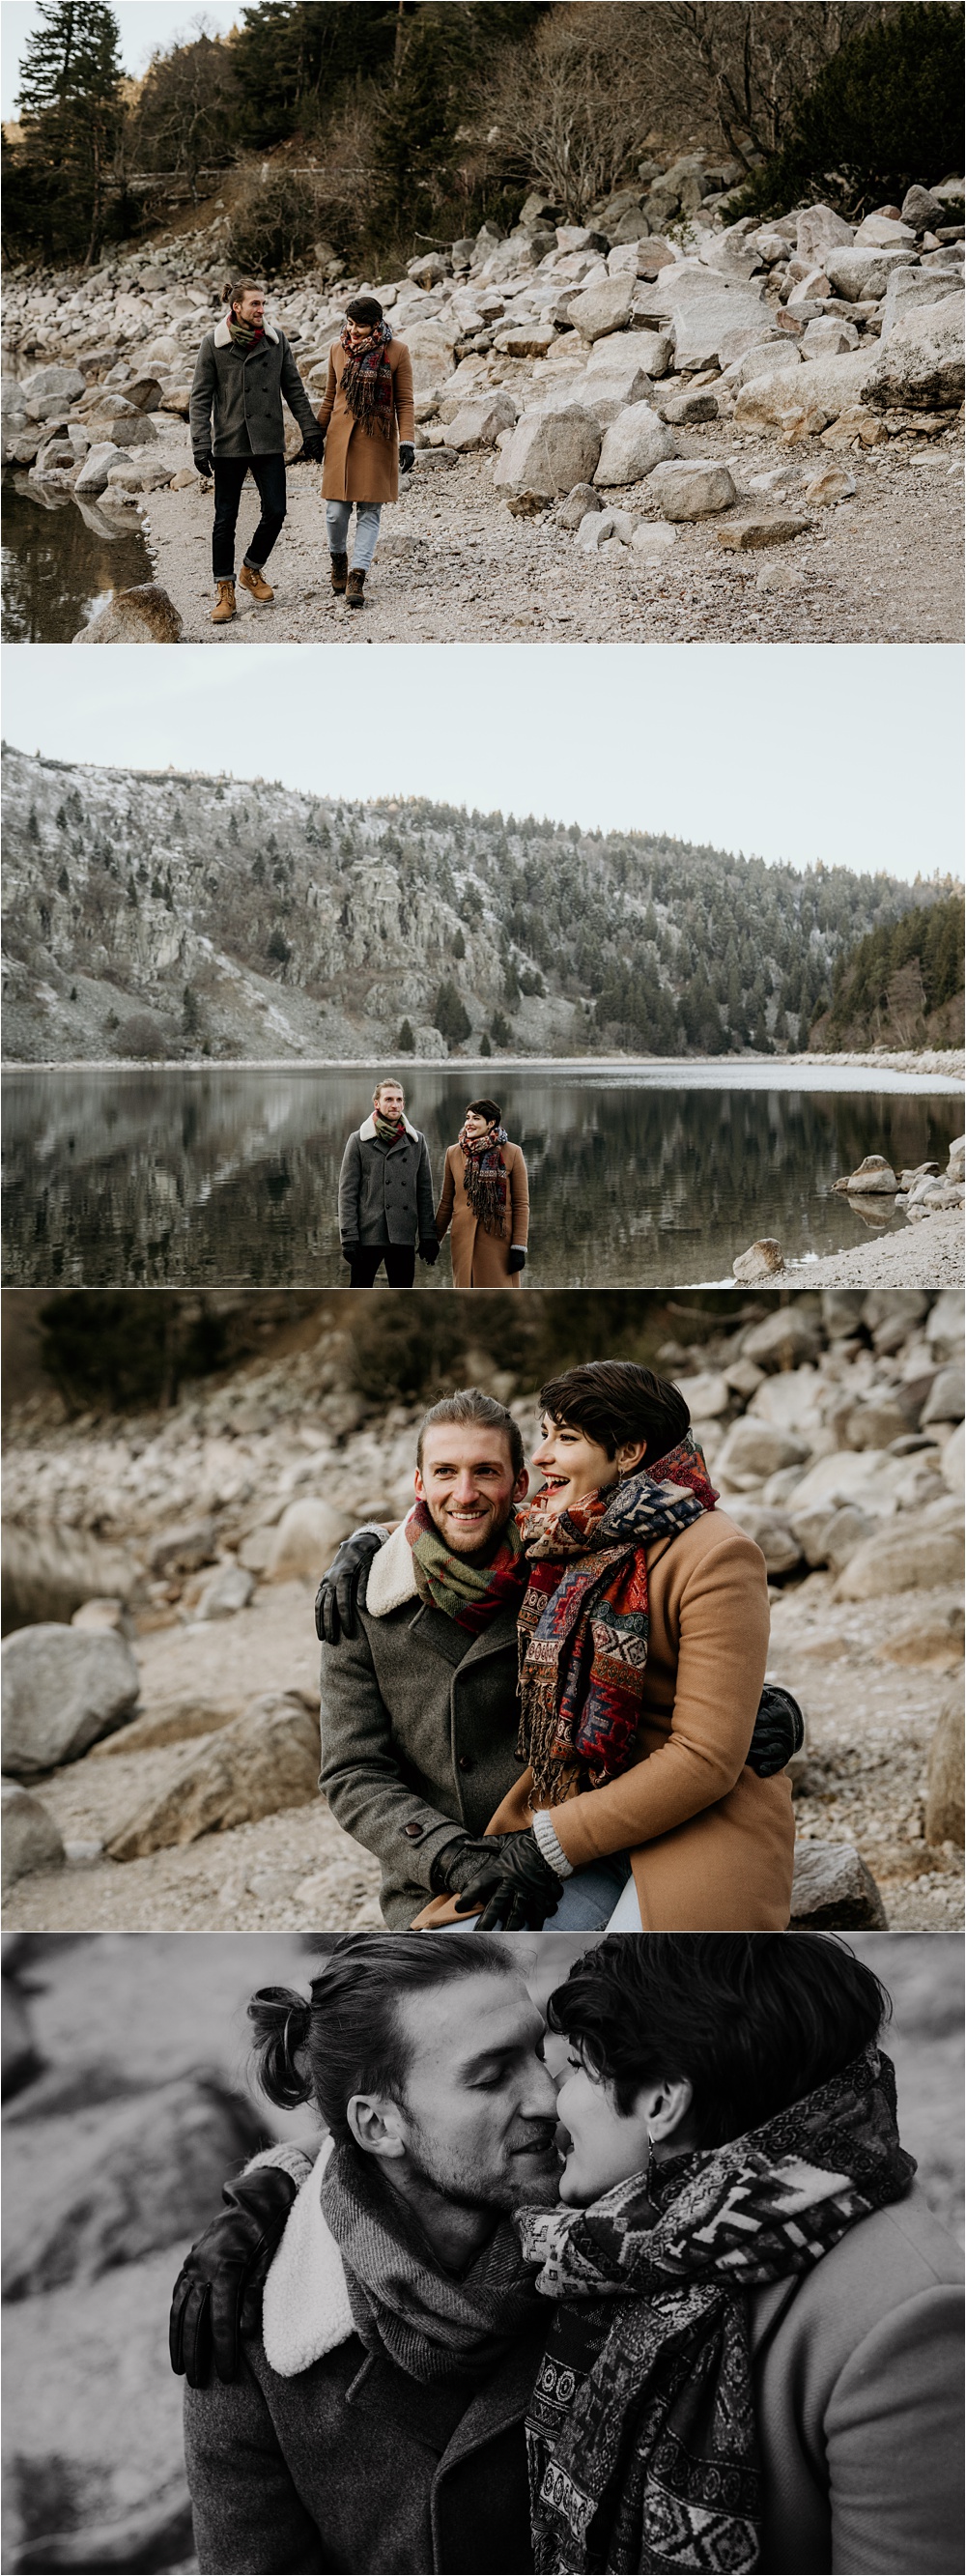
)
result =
(203, 464)
(343, 1587)
(779, 1731)
(349, 1251)
(406, 454)
(516, 1258)
(217, 2296)
(429, 1249)
(515, 1886)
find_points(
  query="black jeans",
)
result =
(399, 1258)
(268, 475)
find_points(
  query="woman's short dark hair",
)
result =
(614, 1401)
(488, 1109)
(365, 309)
(348, 2038)
(754, 2020)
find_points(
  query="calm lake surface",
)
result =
(229, 1178)
(59, 562)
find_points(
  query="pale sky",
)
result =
(144, 25)
(846, 753)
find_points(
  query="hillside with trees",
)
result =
(172, 915)
(365, 132)
(902, 986)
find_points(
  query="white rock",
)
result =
(691, 490)
(549, 452)
(64, 384)
(767, 358)
(602, 308)
(93, 475)
(305, 1539)
(31, 1840)
(921, 364)
(756, 1449)
(883, 232)
(479, 423)
(633, 445)
(717, 324)
(901, 1559)
(825, 336)
(807, 400)
(228, 1589)
(953, 1461)
(62, 1691)
(834, 1891)
(653, 538)
(818, 230)
(860, 276)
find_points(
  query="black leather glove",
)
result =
(406, 454)
(349, 1251)
(516, 1258)
(516, 1887)
(312, 449)
(217, 2296)
(779, 1731)
(429, 1249)
(203, 464)
(343, 1587)
(458, 1865)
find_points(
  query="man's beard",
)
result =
(514, 2184)
(487, 1546)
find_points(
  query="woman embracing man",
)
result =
(643, 2282)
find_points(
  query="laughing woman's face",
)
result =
(604, 2145)
(572, 1466)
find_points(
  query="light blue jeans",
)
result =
(337, 517)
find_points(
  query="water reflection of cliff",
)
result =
(231, 1177)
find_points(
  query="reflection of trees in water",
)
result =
(54, 562)
(151, 1179)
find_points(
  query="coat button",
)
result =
(412, 1832)
(466, 1762)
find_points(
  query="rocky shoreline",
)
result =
(658, 423)
(185, 1549)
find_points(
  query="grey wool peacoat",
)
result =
(419, 1724)
(386, 1191)
(236, 400)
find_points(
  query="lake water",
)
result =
(229, 1177)
(60, 560)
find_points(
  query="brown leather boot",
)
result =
(339, 565)
(251, 579)
(355, 589)
(224, 608)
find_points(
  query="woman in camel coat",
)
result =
(485, 1200)
(367, 422)
(710, 1842)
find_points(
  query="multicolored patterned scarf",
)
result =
(367, 379)
(388, 1130)
(584, 1621)
(641, 2434)
(430, 2323)
(470, 1594)
(484, 1179)
(244, 334)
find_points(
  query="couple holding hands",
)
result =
(364, 431)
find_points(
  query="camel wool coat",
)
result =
(711, 1845)
(359, 465)
(480, 1259)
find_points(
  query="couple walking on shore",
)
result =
(364, 432)
(386, 1210)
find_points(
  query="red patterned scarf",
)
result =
(367, 379)
(484, 1179)
(584, 1620)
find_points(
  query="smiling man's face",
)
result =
(479, 2109)
(467, 1480)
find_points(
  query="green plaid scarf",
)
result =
(641, 2434)
(431, 2324)
(470, 1594)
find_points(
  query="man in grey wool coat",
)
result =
(386, 1204)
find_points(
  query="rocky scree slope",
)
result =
(163, 915)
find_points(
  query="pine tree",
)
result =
(71, 111)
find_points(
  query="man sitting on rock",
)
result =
(386, 1199)
(244, 368)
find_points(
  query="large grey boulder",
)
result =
(31, 1840)
(478, 423)
(946, 1400)
(820, 230)
(96, 467)
(806, 401)
(65, 384)
(761, 1261)
(646, 351)
(715, 323)
(227, 1590)
(135, 2172)
(901, 1558)
(833, 1891)
(635, 442)
(548, 453)
(861, 276)
(765, 358)
(264, 1760)
(691, 490)
(305, 1539)
(62, 1690)
(134, 429)
(769, 1530)
(756, 1449)
(944, 1778)
(910, 287)
(602, 308)
(144, 615)
(873, 1177)
(783, 1341)
(920, 366)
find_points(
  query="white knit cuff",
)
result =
(553, 1851)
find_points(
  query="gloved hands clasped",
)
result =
(312, 449)
(429, 1250)
(217, 2296)
(505, 1874)
(343, 1586)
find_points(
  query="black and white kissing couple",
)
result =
(688, 2312)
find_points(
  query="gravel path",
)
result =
(927, 1255)
(455, 567)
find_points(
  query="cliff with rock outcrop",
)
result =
(165, 915)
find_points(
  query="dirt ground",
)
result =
(455, 567)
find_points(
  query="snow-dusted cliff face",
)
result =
(163, 915)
